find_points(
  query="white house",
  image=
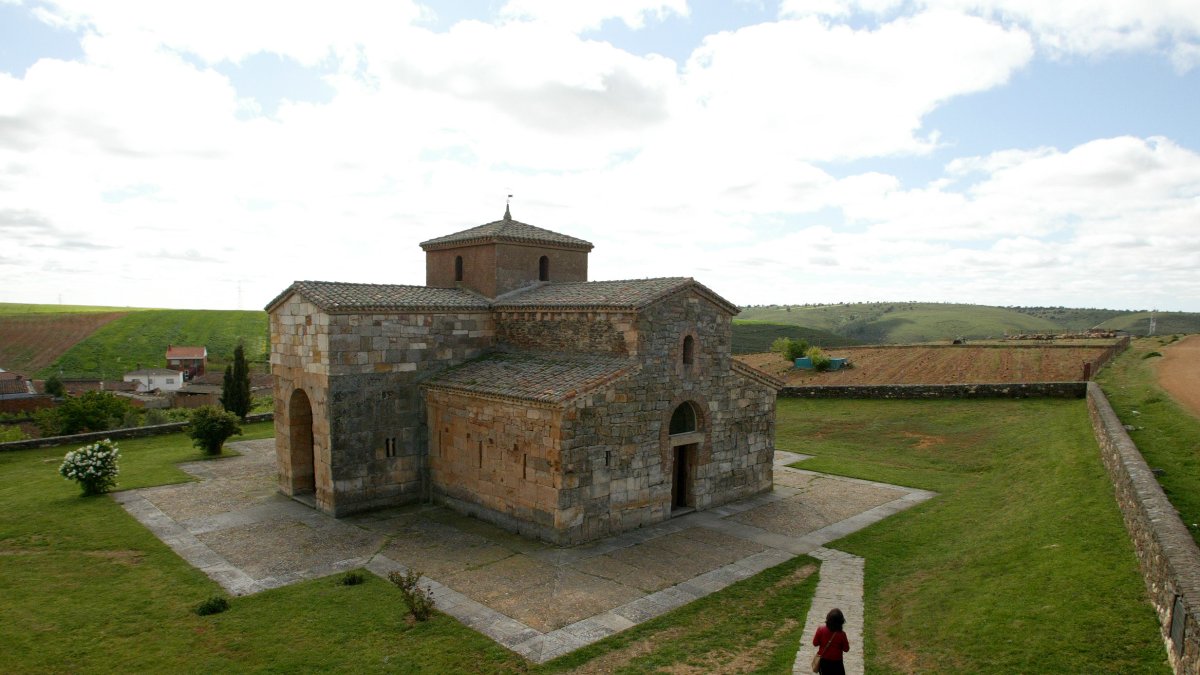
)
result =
(149, 379)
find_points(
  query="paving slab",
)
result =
(539, 600)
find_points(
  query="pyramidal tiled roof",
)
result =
(628, 293)
(334, 297)
(549, 378)
(506, 230)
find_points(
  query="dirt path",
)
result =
(1179, 372)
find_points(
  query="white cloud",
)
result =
(580, 15)
(1061, 27)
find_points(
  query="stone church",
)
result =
(511, 388)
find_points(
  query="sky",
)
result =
(1003, 152)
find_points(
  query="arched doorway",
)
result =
(684, 439)
(300, 443)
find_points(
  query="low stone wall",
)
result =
(115, 434)
(940, 391)
(1167, 553)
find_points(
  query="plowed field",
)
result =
(1179, 372)
(29, 342)
(943, 364)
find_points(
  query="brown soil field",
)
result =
(940, 364)
(1179, 372)
(31, 342)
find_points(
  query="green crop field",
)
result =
(16, 308)
(753, 337)
(142, 338)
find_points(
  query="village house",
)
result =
(149, 379)
(191, 360)
(511, 388)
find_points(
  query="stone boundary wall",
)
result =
(115, 434)
(1090, 368)
(1167, 553)
(941, 391)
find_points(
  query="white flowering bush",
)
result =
(93, 466)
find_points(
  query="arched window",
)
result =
(689, 350)
(544, 269)
(683, 420)
(458, 268)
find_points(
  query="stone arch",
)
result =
(686, 431)
(301, 456)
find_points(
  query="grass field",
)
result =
(911, 322)
(752, 337)
(1167, 436)
(142, 337)
(904, 322)
(1020, 565)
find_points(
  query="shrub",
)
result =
(11, 433)
(235, 391)
(351, 578)
(214, 605)
(210, 427)
(91, 411)
(1149, 355)
(418, 600)
(155, 416)
(820, 361)
(790, 349)
(93, 466)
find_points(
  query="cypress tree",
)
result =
(235, 391)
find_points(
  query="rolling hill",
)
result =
(142, 337)
(914, 322)
(752, 337)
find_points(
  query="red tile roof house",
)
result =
(511, 388)
(191, 360)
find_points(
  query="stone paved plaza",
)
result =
(537, 599)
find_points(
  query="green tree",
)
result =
(235, 392)
(210, 426)
(54, 387)
(91, 411)
(790, 349)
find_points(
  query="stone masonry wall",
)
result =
(479, 264)
(1167, 553)
(498, 460)
(299, 360)
(377, 422)
(569, 331)
(617, 458)
(886, 391)
(517, 265)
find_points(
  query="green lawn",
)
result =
(1167, 435)
(1021, 564)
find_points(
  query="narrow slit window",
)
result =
(458, 268)
(689, 350)
(544, 269)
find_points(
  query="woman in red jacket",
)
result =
(831, 642)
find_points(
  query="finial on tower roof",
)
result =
(507, 213)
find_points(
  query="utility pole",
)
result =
(1152, 322)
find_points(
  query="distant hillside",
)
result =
(142, 337)
(753, 337)
(913, 322)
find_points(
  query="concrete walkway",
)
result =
(538, 600)
(841, 586)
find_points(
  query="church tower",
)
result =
(503, 256)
